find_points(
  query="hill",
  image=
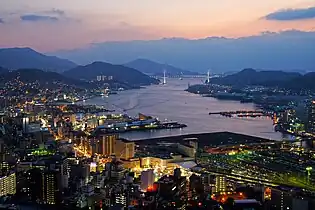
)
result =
(305, 82)
(27, 58)
(253, 77)
(154, 68)
(45, 78)
(113, 73)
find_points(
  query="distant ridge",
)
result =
(153, 68)
(253, 77)
(288, 80)
(119, 73)
(27, 58)
(288, 50)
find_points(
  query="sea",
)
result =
(171, 102)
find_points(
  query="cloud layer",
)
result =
(1, 20)
(292, 14)
(36, 18)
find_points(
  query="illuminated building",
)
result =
(25, 123)
(187, 149)
(8, 185)
(50, 187)
(107, 144)
(124, 149)
(208, 182)
(311, 117)
(93, 167)
(220, 184)
(147, 179)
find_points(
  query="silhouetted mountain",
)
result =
(287, 50)
(26, 58)
(253, 77)
(3, 70)
(40, 76)
(119, 73)
(154, 68)
(305, 82)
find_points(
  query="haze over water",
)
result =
(171, 102)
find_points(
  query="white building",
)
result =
(147, 179)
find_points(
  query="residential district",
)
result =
(68, 156)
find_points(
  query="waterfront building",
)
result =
(107, 144)
(8, 184)
(124, 149)
(187, 150)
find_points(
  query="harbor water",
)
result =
(171, 102)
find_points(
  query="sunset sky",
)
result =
(49, 25)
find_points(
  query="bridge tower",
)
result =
(164, 77)
(208, 77)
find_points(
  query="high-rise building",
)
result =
(220, 184)
(64, 173)
(8, 184)
(208, 182)
(311, 117)
(172, 191)
(50, 191)
(25, 123)
(107, 144)
(124, 149)
(147, 179)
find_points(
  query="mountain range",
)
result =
(254, 77)
(118, 73)
(27, 58)
(287, 51)
(46, 78)
(153, 68)
(290, 80)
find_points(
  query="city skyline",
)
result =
(57, 25)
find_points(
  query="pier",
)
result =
(242, 113)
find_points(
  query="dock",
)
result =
(242, 113)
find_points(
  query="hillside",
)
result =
(305, 82)
(154, 68)
(27, 58)
(118, 73)
(41, 77)
(253, 77)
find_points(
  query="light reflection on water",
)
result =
(171, 102)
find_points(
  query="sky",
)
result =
(51, 25)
